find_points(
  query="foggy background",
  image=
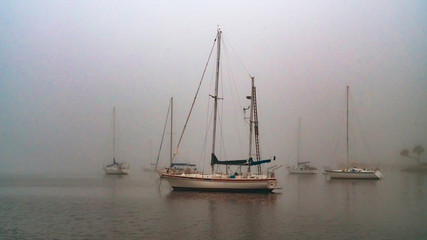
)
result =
(65, 64)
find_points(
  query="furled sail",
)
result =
(214, 160)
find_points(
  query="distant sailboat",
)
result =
(217, 181)
(175, 168)
(353, 172)
(301, 167)
(115, 168)
(152, 166)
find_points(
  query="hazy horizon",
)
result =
(65, 64)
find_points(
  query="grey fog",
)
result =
(64, 65)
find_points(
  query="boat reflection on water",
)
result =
(350, 182)
(264, 198)
(220, 215)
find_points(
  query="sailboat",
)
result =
(176, 168)
(217, 181)
(301, 167)
(115, 168)
(152, 166)
(353, 172)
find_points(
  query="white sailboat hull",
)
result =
(340, 174)
(300, 171)
(114, 170)
(220, 183)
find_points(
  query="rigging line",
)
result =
(208, 120)
(338, 128)
(232, 75)
(237, 56)
(117, 136)
(352, 133)
(222, 149)
(221, 145)
(203, 152)
(361, 129)
(220, 119)
(194, 100)
(163, 135)
(221, 108)
(107, 142)
(233, 87)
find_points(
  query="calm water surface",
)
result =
(136, 207)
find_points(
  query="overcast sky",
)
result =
(65, 64)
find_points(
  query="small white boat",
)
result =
(115, 168)
(153, 165)
(354, 172)
(301, 167)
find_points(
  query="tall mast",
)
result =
(299, 140)
(251, 121)
(151, 151)
(347, 129)
(256, 128)
(171, 128)
(216, 91)
(114, 134)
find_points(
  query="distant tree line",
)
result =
(418, 150)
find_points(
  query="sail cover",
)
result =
(114, 163)
(214, 160)
(110, 165)
(251, 162)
